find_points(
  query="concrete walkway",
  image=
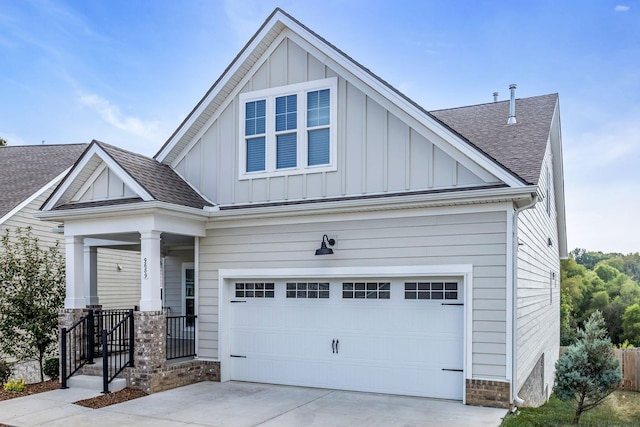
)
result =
(236, 404)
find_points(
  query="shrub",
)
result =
(588, 371)
(14, 386)
(52, 368)
(5, 371)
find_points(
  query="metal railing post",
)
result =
(90, 337)
(131, 338)
(63, 357)
(105, 363)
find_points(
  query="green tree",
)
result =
(31, 293)
(606, 272)
(3, 142)
(631, 324)
(587, 372)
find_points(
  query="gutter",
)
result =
(517, 400)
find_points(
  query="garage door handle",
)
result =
(337, 342)
(333, 346)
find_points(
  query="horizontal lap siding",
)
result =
(478, 239)
(118, 288)
(41, 229)
(538, 292)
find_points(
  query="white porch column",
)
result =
(74, 252)
(91, 275)
(150, 271)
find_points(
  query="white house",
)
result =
(327, 231)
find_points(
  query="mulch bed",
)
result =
(101, 401)
(108, 399)
(30, 389)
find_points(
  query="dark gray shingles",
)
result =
(162, 182)
(520, 147)
(26, 169)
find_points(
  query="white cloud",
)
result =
(112, 115)
(622, 8)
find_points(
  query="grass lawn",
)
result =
(622, 408)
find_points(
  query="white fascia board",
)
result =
(467, 197)
(34, 196)
(111, 164)
(128, 209)
(155, 221)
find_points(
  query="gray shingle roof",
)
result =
(162, 182)
(26, 169)
(519, 147)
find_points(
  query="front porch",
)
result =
(154, 345)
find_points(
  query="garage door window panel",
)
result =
(366, 290)
(255, 290)
(305, 290)
(431, 290)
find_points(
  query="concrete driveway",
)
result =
(237, 404)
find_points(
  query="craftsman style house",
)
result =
(319, 228)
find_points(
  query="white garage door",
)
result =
(386, 336)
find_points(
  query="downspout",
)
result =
(518, 401)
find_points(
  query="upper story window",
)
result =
(288, 130)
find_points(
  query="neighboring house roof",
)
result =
(25, 170)
(519, 147)
(157, 179)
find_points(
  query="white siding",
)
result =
(42, 229)
(391, 240)
(538, 285)
(378, 151)
(118, 288)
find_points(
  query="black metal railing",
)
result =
(76, 347)
(106, 319)
(181, 337)
(117, 348)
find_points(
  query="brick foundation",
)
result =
(488, 393)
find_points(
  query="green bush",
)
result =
(5, 371)
(15, 386)
(52, 368)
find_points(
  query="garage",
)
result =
(387, 335)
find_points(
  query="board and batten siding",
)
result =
(539, 284)
(378, 150)
(397, 238)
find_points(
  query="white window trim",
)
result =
(270, 139)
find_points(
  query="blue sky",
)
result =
(127, 72)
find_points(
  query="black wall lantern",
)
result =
(324, 250)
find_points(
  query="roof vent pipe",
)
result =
(495, 96)
(512, 105)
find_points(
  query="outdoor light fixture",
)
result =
(324, 250)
